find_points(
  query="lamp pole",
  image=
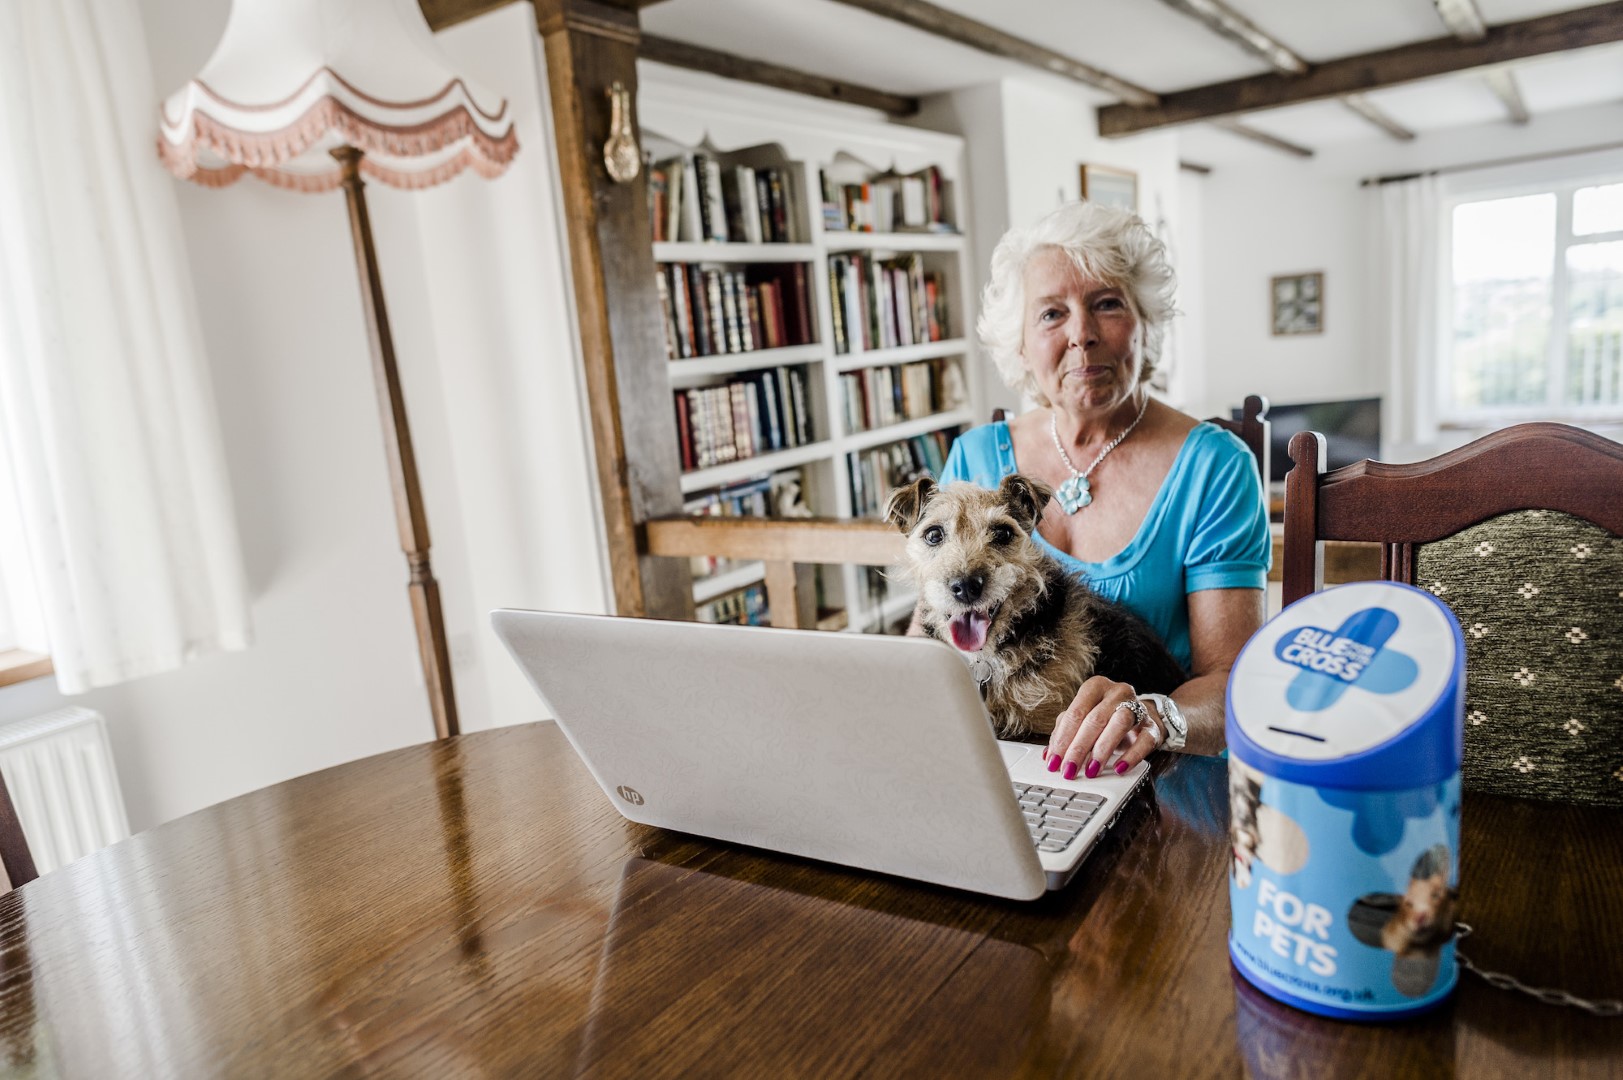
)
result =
(408, 497)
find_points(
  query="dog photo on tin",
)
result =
(1032, 633)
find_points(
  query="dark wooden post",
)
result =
(589, 47)
(410, 516)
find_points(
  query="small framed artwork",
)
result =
(1298, 303)
(1110, 186)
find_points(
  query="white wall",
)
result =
(1283, 215)
(1026, 142)
(478, 297)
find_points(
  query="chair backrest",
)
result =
(1521, 533)
(1252, 429)
(15, 857)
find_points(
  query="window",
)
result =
(1536, 295)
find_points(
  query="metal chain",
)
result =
(1500, 981)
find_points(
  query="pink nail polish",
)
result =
(1092, 770)
(1045, 753)
(1121, 768)
(1053, 764)
(1070, 770)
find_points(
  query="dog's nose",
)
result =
(967, 589)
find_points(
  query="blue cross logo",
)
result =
(1354, 654)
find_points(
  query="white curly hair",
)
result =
(1107, 244)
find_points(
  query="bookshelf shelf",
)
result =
(688, 372)
(717, 475)
(708, 252)
(830, 165)
(862, 440)
(903, 354)
(892, 607)
(867, 241)
(739, 577)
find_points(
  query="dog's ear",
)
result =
(906, 504)
(1025, 497)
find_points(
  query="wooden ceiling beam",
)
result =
(1502, 81)
(988, 39)
(1560, 32)
(1224, 21)
(1464, 20)
(697, 58)
(1372, 112)
(1234, 127)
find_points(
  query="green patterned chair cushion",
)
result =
(1539, 595)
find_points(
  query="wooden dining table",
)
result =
(476, 907)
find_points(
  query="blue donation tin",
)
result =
(1345, 732)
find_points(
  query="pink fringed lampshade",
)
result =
(293, 79)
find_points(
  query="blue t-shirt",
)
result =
(1206, 529)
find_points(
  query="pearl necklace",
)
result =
(1076, 493)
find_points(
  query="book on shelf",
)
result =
(893, 202)
(710, 311)
(875, 473)
(752, 413)
(884, 303)
(776, 494)
(878, 396)
(746, 607)
(694, 197)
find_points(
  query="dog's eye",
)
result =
(934, 535)
(1002, 534)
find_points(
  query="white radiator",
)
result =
(59, 769)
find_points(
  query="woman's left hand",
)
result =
(1096, 725)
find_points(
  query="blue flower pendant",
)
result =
(1073, 495)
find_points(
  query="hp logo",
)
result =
(630, 795)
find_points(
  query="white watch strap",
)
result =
(1173, 724)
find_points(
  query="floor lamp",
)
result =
(308, 95)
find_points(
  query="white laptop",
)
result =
(871, 752)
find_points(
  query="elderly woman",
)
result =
(1152, 508)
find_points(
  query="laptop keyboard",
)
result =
(1056, 818)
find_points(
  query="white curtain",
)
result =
(1411, 301)
(105, 406)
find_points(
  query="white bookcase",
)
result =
(680, 114)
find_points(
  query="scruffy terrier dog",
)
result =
(1037, 632)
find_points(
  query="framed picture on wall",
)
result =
(1110, 186)
(1298, 303)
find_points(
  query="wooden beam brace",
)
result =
(1560, 32)
(1502, 81)
(1195, 167)
(590, 46)
(1372, 112)
(697, 58)
(977, 35)
(1224, 21)
(1234, 127)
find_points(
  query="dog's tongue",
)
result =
(969, 631)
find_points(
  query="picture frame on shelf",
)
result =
(1297, 303)
(1110, 186)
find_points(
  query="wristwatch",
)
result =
(1172, 721)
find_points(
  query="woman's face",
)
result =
(1079, 339)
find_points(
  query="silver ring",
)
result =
(1141, 719)
(1141, 715)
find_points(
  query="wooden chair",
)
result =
(1252, 429)
(15, 857)
(1519, 532)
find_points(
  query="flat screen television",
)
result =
(1351, 430)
